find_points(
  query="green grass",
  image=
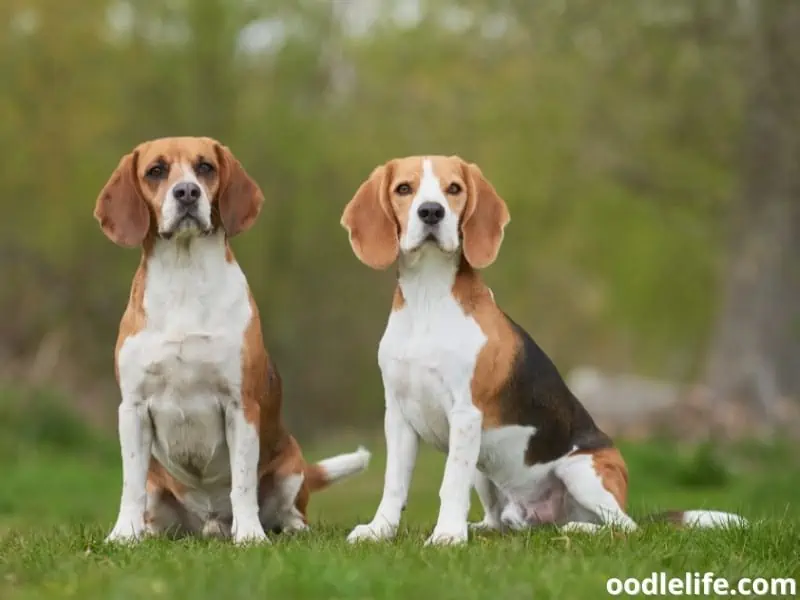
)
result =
(60, 488)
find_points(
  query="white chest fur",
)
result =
(428, 352)
(185, 365)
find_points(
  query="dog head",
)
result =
(412, 202)
(175, 188)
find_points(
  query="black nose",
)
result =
(431, 212)
(187, 193)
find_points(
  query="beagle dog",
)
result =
(204, 450)
(460, 374)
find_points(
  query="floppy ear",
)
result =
(120, 208)
(369, 220)
(485, 218)
(239, 198)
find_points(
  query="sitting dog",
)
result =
(203, 446)
(460, 374)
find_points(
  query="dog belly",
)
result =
(189, 439)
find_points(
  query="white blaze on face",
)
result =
(446, 231)
(171, 210)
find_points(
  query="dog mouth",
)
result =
(187, 224)
(432, 242)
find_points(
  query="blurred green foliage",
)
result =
(610, 128)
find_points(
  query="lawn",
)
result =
(60, 489)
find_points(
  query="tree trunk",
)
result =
(754, 355)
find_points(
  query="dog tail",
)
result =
(699, 518)
(331, 470)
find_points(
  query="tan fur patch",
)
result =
(256, 394)
(613, 472)
(134, 319)
(496, 359)
(370, 221)
(485, 217)
(158, 478)
(398, 300)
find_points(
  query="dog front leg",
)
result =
(402, 443)
(459, 471)
(135, 439)
(244, 447)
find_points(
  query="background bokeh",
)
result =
(648, 151)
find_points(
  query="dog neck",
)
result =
(191, 281)
(429, 276)
(188, 252)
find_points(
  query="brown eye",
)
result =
(204, 168)
(158, 171)
(454, 189)
(402, 189)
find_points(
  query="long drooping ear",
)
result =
(370, 221)
(239, 198)
(485, 218)
(120, 208)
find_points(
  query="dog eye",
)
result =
(157, 171)
(454, 189)
(402, 189)
(204, 168)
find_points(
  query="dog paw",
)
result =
(215, 529)
(448, 536)
(580, 527)
(372, 532)
(249, 534)
(486, 524)
(126, 531)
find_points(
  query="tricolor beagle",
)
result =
(461, 375)
(204, 449)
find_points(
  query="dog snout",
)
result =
(431, 212)
(187, 193)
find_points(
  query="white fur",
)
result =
(171, 211)
(344, 465)
(491, 499)
(712, 518)
(180, 379)
(446, 231)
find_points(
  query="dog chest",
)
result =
(427, 360)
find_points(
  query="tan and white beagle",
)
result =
(461, 375)
(204, 449)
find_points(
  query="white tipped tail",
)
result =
(712, 518)
(331, 470)
(700, 518)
